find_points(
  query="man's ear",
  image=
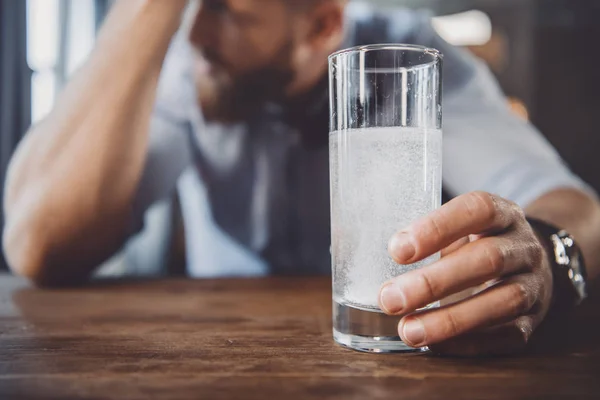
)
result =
(326, 23)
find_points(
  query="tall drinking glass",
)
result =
(386, 164)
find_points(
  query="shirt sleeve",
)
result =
(486, 146)
(169, 148)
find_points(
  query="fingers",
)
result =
(455, 246)
(499, 304)
(471, 265)
(506, 339)
(465, 293)
(472, 213)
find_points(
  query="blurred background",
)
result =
(543, 52)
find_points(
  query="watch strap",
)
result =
(568, 266)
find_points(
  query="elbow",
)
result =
(25, 253)
(28, 255)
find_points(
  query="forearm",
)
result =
(577, 213)
(71, 182)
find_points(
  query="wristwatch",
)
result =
(568, 266)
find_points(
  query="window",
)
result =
(60, 36)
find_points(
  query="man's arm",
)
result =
(487, 244)
(71, 182)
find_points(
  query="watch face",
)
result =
(567, 255)
(577, 276)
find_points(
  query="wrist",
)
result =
(566, 264)
(170, 8)
(138, 33)
(156, 18)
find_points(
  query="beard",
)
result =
(228, 99)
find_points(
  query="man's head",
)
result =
(250, 51)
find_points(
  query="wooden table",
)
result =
(254, 339)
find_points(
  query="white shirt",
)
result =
(255, 196)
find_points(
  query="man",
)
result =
(237, 127)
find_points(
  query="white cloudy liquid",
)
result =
(382, 179)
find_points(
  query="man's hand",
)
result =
(486, 244)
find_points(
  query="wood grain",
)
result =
(251, 339)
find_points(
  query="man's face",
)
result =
(244, 55)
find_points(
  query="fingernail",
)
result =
(413, 332)
(401, 248)
(391, 299)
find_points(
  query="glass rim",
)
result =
(435, 53)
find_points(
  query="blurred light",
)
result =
(43, 90)
(82, 33)
(496, 52)
(44, 47)
(42, 33)
(470, 28)
(519, 108)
